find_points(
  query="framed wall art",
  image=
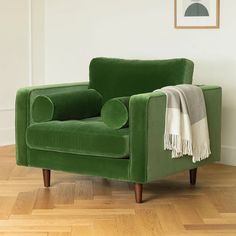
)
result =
(197, 14)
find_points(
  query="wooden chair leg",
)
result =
(193, 176)
(138, 189)
(46, 177)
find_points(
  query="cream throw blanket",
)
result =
(186, 128)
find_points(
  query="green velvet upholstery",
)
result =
(85, 137)
(23, 112)
(67, 105)
(42, 109)
(82, 164)
(115, 112)
(147, 118)
(76, 139)
(119, 78)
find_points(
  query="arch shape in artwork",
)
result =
(196, 9)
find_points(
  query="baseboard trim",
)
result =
(7, 136)
(228, 155)
(7, 109)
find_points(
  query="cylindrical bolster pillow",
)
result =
(67, 106)
(115, 112)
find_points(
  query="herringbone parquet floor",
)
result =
(80, 205)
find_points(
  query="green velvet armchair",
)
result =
(60, 127)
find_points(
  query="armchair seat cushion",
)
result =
(87, 137)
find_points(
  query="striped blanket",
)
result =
(186, 128)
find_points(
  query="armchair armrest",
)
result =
(149, 161)
(140, 110)
(23, 111)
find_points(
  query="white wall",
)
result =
(37, 19)
(14, 66)
(71, 32)
(21, 56)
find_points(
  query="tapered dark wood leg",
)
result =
(193, 176)
(46, 177)
(138, 190)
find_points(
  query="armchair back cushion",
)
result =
(119, 77)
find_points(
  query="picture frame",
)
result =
(197, 14)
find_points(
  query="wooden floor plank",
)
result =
(6, 205)
(24, 203)
(65, 194)
(82, 230)
(60, 234)
(23, 234)
(45, 198)
(187, 213)
(168, 218)
(84, 190)
(85, 205)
